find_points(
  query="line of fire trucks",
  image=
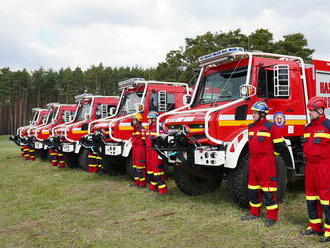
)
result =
(202, 134)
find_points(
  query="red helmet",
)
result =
(315, 103)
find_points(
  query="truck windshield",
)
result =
(50, 117)
(128, 103)
(83, 112)
(221, 86)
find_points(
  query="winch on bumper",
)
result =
(178, 148)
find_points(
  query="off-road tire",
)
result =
(83, 159)
(71, 160)
(129, 167)
(192, 185)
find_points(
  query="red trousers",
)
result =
(317, 188)
(139, 161)
(262, 185)
(54, 157)
(155, 169)
(94, 162)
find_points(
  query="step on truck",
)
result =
(65, 137)
(111, 138)
(208, 138)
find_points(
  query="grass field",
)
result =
(43, 206)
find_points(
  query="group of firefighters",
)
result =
(265, 142)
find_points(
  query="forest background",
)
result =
(22, 90)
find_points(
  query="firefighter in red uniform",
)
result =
(155, 168)
(139, 151)
(265, 141)
(317, 171)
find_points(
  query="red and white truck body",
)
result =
(111, 138)
(63, 113)
(210, 134)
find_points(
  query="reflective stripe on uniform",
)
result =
(326, 234)
(272, 207)
(153, 183)
(254, 186)
(269, 189)
(324, 202)
(263, 134)
(158, 173)
(326, 226)
(315, 221)
(149, 172)
(251, 133)
(277, 153)
(255, 205)
(140, 167)
(312, 197)
(278, 140)
(162, 186)
(307, 135)
(322, 135)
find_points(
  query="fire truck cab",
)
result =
(66, 136)
(111, 139)
(209, 136)
(62, 113)
(39, 115)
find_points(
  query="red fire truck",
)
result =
(62, 113)
(208, 138)
(66, 136)
(21, 137)
(110, 138)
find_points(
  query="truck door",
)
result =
(281, 87)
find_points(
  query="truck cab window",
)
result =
(272, 84)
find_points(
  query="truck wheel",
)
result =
(238, 180)
(71, 160)
(44, 155)
(192, 185)
(129, 167)
(83, 159)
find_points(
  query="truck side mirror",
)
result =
(247, 90)
(186, 99)
(162, 101)
(104, 110)
(281, 80)
(112, 111)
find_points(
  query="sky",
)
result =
(69, 33)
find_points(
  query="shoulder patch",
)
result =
(269, 124)
(326, 123)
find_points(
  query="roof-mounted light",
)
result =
(82, 96)
(130, 83)
(219, 54)
(53, 104)
(36, 109)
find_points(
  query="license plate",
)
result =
(67, 148)
(112, 150)
(38, 145)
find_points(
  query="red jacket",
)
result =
(264, 139)
(317, 140)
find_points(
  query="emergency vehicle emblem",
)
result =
(279, 119)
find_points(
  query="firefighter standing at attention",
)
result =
(317, 170)
(265, 141)
(139, 151)
(155, 167)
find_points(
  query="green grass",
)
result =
(43, 206)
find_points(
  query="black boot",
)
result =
(325, 239)
(269, 222)
(249, 217)
(310, 231)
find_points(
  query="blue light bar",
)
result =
(220, 53)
